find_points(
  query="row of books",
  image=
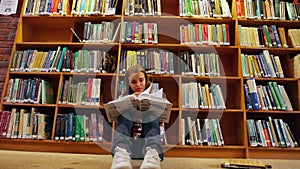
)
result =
(79, 128)
(32, 90)
(195, 95)
(103, 32)
(204, 34)
(202, 132)
(270, 133)
(266, 97)
(63, 59)
(271, 9)
(138, 32)
(143, 7)
(80, 93)
(262, 65)
(263, 36)
(200, 64)
(25, 124)
(295, 66)
(94, 7)
(294, 35)
(46, 7)
(204, 8)
(154, 61)
(67, 7)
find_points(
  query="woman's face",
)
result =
(137, 82)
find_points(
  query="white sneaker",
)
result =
(121, 159)
(151, 160)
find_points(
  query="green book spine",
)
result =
(77, 128)
(61, 59)
(76, 61)
(267, 34)
(214, 140)
(200, 34)
(243, 65)
(224, 33)
(90, 9)
(84, 61)
(188, 7)
(278, 107)
(241, 35)
(82, 127)
(278, 95)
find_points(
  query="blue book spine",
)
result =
(279, 133)
(253, 94)
(70, 126)
(49, 61)
(216, 100)
(276, 35)
(247, 97)
(267, 69)
(46, 61)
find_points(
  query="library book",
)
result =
(144, 103)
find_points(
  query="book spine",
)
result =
(292, 135)
(57, 127)
(183, 134)
(266, 133)
(277, 38)
(279, 133)
(253, 94)
(62, 127)
(251, 133)
(284, 133)
(271, 134)
(278, 96)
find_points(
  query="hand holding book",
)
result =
(143, 103)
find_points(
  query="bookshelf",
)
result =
(47, 32)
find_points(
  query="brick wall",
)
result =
(8, 27)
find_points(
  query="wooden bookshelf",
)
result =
(48, 32)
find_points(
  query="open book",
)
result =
(144, 103)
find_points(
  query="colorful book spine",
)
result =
(253, 94)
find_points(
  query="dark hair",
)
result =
(134, 69)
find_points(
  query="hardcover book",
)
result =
(146, 102)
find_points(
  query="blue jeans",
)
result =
(150, 136)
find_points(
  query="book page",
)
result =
(158, 105)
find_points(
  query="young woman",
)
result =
(136, 136)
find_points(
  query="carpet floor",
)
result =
(38, 160)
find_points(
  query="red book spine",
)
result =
(150, 33)
(197, 33)
(238, 9)
(89, 91)
(133, 31)
(268, 140)
(5, 122)
(227, 34)
(205, 34)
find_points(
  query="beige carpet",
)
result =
(26, 160)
